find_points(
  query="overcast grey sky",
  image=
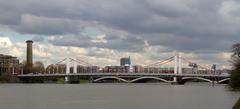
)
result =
(104, 30)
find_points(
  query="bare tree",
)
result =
(235, 74)
(38, 67)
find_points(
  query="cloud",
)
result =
(38, 38)
(31, 24)
(100, 39)
(138, 27)
(196, 24)
(109, 41)
(5, 42)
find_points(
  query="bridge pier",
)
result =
(66, 79)
(180, 81)
(72, 80)
(174, 81)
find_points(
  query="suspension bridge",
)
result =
(175, 69)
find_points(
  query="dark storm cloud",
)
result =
(38, 38)
(130, 43)
(176, 24)
(46, 26)
(193, 43)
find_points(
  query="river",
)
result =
(116, 96)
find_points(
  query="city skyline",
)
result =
(145, 30)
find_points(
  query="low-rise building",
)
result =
(55, 68)
(61, 68)
(138, 69)
(10, 64)
(116, 69)
(158, 69)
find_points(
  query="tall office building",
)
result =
(125, 61)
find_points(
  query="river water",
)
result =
(115, 96)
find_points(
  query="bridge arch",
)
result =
(224, 80)
(198, 78)
(110, 77)
(155, 78)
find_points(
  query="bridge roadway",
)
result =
(123, 75)
(135, 77)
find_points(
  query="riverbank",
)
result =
(237, 105)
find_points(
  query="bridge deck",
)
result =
(123, 74)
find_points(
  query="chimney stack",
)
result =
(29, 63)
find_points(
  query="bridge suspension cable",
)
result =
(161, 62)
(61, 61)
(80, 62)
(190, 62)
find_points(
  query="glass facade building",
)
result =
(125, 61)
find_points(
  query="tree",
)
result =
(38, 67)
(235, 74)
(24, 62)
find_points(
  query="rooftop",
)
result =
(29, 41)
(6, 56)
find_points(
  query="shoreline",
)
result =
(237, 104)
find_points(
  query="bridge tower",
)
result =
(75, 66)
(71, 63)
(67, 69)
(177, 65)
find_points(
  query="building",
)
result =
(10, 64)
(86, 69)
(55, 68)
(168, 70)
(138, 69)
(61, 68)
(29, 64)
(115, 69)
(125, 61)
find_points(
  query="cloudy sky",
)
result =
(102, 31)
